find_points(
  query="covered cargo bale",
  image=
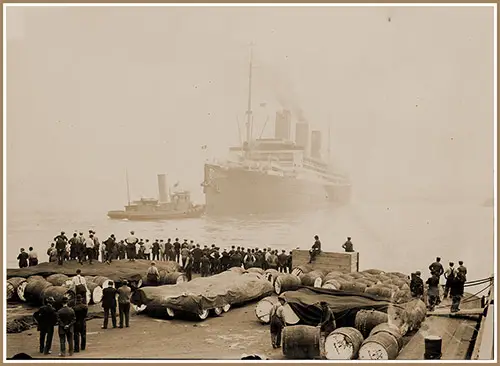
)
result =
(35, 278)
(58, 293)
(33, 291)
(58, 279)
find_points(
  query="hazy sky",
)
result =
(93, 91)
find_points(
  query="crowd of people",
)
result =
(71, 320)
(454, 286)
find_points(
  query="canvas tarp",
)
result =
(344, 305)
(204, 293)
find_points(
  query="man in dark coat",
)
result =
(436, 268)
(282, 259)
(61, 241)
(205, 266)
(348, 247)
(124, 294)
(188, 266)
(417, 285)
(277, 322)
(73, 247)
(177, 249)
(289, 262)
(80, 336)
(456, 293)
(225, 260)
(46, 319)
(66, 319)
(315, 249)
(109, 305)
(156, 250)
(433, 291)
(197, 254)
(23, 258)
(449, 276)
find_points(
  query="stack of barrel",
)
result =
(35, 289)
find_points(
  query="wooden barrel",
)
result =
(392, 330)
(263, 308)
(285, 283)
(172, 278)
(102, 281)
(381, 346)
(58, 293)
(271, 275)
(256, 270)
(12, 285)
(57, 279)
(33, 291)
(332, 275)
(95, 293)
(290, 317)
(34, 278)
(311, 279)
(301, 342)
(297, 271)
(343, 344)
(433, 346)
(366, 320)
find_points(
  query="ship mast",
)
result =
(249, 106)
(128, 188)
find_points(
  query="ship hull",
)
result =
(156, 216)
(239, 191)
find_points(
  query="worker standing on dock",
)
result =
(197, 253)
(131, 242)
(89, 248)
(417, 285)
(80, 336)
(23, 258)
(456, 293)
(289, 262)
(80, 248)
(315, 250)
(177, 249)
(188, 267)
(327, 322)
(433, 291)
(124, 294)
(282, 259)
(66, 319)
(277, 322)
(46, 319)
(156, 250)
(80, 285)
(205, 265)
(461, 273)
(61, 241)
(32, 257)
(348, 246)
(73, 247)
(449, 276)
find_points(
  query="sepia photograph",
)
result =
(249, 182)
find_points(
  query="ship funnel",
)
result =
(302, 134)
(162, 188)
(282, 125)
(316, 144)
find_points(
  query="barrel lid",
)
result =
(433, 338)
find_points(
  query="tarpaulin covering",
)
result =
(204, 293)
(344, 305)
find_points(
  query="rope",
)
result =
(477, 282)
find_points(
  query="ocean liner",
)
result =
(270, 175)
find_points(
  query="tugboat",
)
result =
(172, 206)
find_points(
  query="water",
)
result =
(404, 237)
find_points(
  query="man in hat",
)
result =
(124, 294)
(46, 319)
(277, 322)
(417, 285)
(449, 276)
(347, 246)
(89, 248)
(66, 319)
(282, 259)
(80, 248)
(110, 245)
(131, 243)
(177, 249)
(80, 285)
(61, 241)
(80, 336)
(109, 305)
(73, 247)
(432, 291)
(23, 258)
(315, 249)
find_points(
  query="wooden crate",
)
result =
(331, 261)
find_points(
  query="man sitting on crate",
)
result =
(315, 250)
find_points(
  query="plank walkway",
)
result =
(456, 334)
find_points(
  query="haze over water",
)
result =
(408, 92)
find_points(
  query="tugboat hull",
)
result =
(157, 216)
